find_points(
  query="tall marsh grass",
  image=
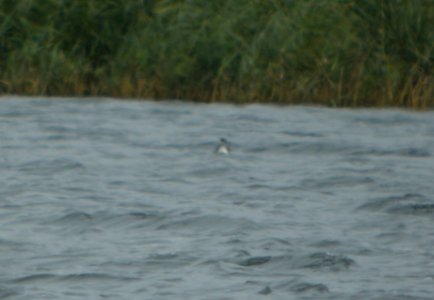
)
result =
(330, 52)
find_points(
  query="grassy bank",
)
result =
(331, 52)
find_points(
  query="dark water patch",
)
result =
(170, 111)
(46, 167)
(255, 261)
(309, 288)
(354, 248)
(227, 268)
(143, 215)
(60, 133)
(352, 149)
(77, 217)
(36, 278)
(171, 260)
(262, 288)
(274, 244)
(13, 245)
(79, 220)
(319, 261)
(14, 114)
(414, 152)
(318, 147)
(133, 219)
(386, 119)
(210, 172)
(304, 134)
(325, 261)
(384, 202)
(243, 248)
(327, 244)
(209, 223)
(7, 293)
(344, 181)
(88, 278)
(409, 203)
(301, 288)
(413, 209)
(404, 152)
(384, 295)
(265, 291)
(259, 186)
(258, 149)
(250, 118)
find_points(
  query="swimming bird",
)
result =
(223, 147)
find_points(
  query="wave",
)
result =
(81, 277)
(47, 166)
(410, 204)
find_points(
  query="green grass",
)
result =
(329, 52)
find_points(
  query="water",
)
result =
(104, 199)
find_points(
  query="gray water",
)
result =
(106, 199)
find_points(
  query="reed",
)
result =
(329, 52)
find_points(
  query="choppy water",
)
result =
(103, 199)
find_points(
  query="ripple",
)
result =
(93, 277)
(413, 209)
(405, 152)
(212, 223)
(411, 204)
(77, 217)
(337, 181)
(36, 278)
(255, 261)
(7, 293)
(382, 295)
(309, 287)
(43, 167)
(87, 220)
(326, 261)
(304, 134)
(317, 147)
(81, 277)
(300, 287)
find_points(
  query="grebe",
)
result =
(223, 147)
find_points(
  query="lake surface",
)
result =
(107, 199)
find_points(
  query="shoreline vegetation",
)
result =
(344, 53)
